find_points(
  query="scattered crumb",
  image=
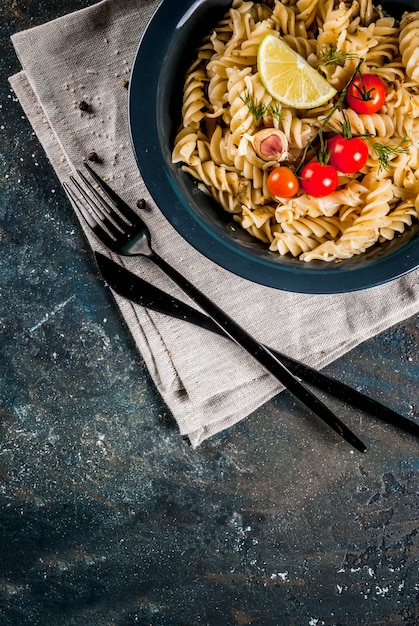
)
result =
(93, 156)
(84, 106)
(142, 205)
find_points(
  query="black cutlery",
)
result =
(138, 290)
(124, 232)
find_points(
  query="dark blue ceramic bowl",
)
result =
(155, 97)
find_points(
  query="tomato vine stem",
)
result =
(319, 134)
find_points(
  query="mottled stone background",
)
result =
(108, 517)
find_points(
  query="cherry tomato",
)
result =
(318, 180)
(347, 155)
(282, 182)
(366, 93)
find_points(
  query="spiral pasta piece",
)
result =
(409, 44)
(397, 221)
(194, 101)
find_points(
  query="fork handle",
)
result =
(260, 352)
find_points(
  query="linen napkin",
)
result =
(207, 382)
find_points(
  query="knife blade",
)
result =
(136, 289)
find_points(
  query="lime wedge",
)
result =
(289, 78)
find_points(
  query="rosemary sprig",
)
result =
(385, 152)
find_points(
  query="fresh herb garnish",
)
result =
(275, 111)
(333, 56)
(257, 109)
(385, 152)
(260, 109)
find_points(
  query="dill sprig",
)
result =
(333, 56)
(385, 152)
(257, 109)
(275, 111)
(260, 109)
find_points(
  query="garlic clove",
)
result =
(270, 144)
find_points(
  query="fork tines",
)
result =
(110, 223)
(125, 210)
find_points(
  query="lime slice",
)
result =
(289, 78)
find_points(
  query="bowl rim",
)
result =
(166, 189)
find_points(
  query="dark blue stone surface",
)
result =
(108, 517)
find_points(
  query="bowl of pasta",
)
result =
(212, 140)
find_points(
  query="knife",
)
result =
(130, 286)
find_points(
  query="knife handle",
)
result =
(178, 309)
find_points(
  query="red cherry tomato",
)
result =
(366, 93)
(318, 180)
(347, 155)
(282, 182)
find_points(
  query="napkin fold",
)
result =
(207, 382)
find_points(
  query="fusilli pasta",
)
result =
(215, 143)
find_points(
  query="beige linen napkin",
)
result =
(207, 382)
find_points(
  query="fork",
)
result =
(125, 233)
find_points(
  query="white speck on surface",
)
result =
(51, 314)
(381, 591)
(89, 560)
(100, 440)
